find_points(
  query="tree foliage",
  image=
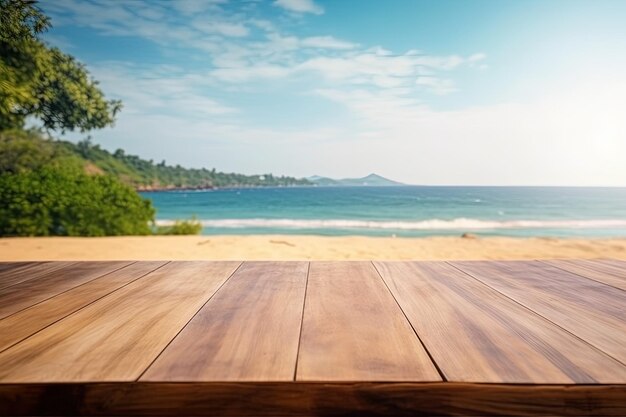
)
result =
(64, 201)
(41, 81)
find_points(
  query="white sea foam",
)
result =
(431, 224)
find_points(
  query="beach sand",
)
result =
(283, 247)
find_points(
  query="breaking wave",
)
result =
(431, 224)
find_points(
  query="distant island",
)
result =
(371, 180)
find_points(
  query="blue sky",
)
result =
(425, 92)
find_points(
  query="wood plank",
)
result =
(354, 330)
(117, 337)
(475, 334)
(591, 310)
(601, 271)
(30, 320)
(248, 332)
(24, 271)
(310, 399)
(32, 291)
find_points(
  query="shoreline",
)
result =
(306, 247)
(150, 189)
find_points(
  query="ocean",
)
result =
(404, 211)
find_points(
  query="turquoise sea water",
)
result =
(401, 211)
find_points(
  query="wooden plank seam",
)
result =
(538, 314)
(69, 289)
(306, 287)
(432, 359)
(579, 274)
(84, 306)
(188, 321)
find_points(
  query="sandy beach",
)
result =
(283, 247)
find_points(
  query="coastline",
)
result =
(305, 247)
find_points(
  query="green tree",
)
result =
(42, 81)
(65, 201)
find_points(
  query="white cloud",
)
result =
(377, 68)
(440, 62)
(246, 74)
(263, 24)
(300, 6)
(158, 90)
(477, 57)
(217, 35)
(327, 42)
(379, 109)
(475, 61)
(436, 85)
(150, 13)
(193, 7)
(222, 28)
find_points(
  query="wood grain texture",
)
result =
(14, 273)
(475, 334)
(353, 329)
(32, 291)
(607, 272)
(8, 266)
(311, 399)
(591, 310)
(248, 332)
(30, 320)
(619, 263)
(118, 336)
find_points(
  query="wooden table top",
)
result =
(316, 338)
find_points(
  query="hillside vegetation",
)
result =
(25, 150)
(147, 175)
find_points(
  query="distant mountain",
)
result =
(322, 181)
(372, 180)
